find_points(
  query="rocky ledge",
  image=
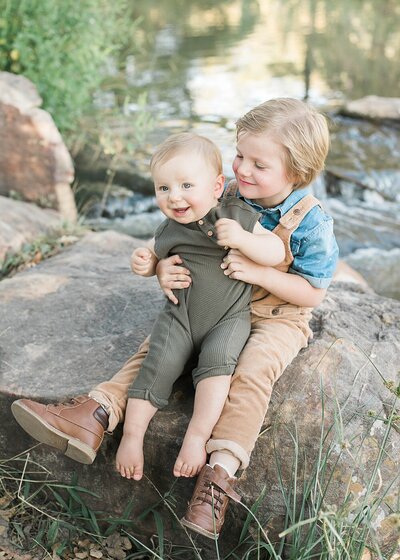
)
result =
(72, 321)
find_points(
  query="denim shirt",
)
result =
(313, 243)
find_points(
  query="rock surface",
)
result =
(362, 163)
(364, 226)
(21, 222)
(381, 269)
(94, 164)
(374, 107)
(137, 225)
(73, 320)
(34, 160)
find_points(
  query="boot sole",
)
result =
(199, 529)
(40, 430)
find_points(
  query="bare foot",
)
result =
(129, 459)
(192, 456)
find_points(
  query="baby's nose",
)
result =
(175, 194)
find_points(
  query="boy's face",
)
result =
(187, 187)
(260, 169)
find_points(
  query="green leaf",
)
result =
(160, 531)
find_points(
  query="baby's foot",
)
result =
(129, 460)
(192, 456)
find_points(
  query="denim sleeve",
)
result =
(317, 255)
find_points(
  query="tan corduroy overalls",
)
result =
(279, 330)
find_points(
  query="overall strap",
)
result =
(292, 219)
(284, 229)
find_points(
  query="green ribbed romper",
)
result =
(212, 318)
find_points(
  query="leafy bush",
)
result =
(63, 47)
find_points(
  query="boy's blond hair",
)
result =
(187, 141)
(299, 128)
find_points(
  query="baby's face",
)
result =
(260, 171)
(187, 187)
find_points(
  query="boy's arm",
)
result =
(172, 275)
(261, 246)
(144, 260)
(289, 287)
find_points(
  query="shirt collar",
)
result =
(284, 206)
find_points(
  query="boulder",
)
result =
(73, 320)
(374, 107)
(22, 222)
(34, 160)
(98, 158)
(380, 269)
(362, 164)
(137, 225)
(364, 225)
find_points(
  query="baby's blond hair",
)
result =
(300, 129)
(187, 141)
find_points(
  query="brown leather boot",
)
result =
(206, 510)
(76, 427)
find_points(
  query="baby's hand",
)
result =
(229, 233)
(141, 261)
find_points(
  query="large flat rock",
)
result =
(77, 315)
(73, 320)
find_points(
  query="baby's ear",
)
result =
(219, 186)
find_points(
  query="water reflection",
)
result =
(197, 58)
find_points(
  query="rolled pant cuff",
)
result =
(146, 395)
(232, 447)
(113, 420)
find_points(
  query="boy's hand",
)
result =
(229, 233)
(171, 276)
(142, 261)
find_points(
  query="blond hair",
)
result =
(187, 141)
(300, 129)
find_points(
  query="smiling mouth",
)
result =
(246, 182)
(180, 211)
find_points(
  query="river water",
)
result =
(200, 64)
(220, 58)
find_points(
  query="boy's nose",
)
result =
(244, 168)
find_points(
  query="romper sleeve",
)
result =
(236, 209)
(160, 248)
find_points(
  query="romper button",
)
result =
(296, 211)
(275, 311)
(209, 233)
(200, 222)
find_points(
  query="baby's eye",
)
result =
(260, 166)
(239, 156)
(163, 188)
(186, 185)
